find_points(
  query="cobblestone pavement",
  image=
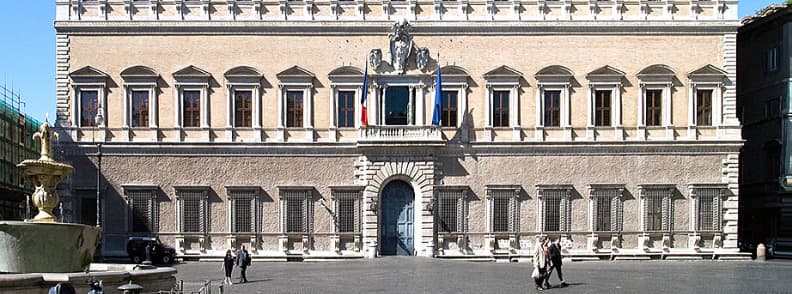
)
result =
(424, 275)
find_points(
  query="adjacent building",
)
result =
(319, 129)
(16, 145)
(764, 104)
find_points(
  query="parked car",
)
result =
(160, 253)
(779, 248)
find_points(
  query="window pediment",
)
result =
(296, 74)
(503, 74)
(88, 75)
(658, 73)
(140, 74)
(192, 74)
(707, 74)
(243, 74)
(453, 74)
(346, 74)
(606, 75)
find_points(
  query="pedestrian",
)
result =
(228, 265)
(540, 263)
(555, 263)
(243, 261)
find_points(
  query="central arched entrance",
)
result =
(396, 221)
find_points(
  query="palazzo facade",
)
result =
(610, 124)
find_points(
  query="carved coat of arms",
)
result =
(401, 43)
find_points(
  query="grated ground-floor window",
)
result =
(243, 209)
(348, 210)
(297, 210)
(193, 209)
(452, 212)
(144, 209)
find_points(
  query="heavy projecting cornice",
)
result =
(84, 27)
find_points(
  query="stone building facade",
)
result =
(609, 124)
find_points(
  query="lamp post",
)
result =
(99, 122)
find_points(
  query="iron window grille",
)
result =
(244, 209)
(657, 207)
(555, 207)
(707, 200)
(297, 210)
(144, 209)
(452, 211)
(348, 209)
(504, 215)
(193, 209)
(607, 207)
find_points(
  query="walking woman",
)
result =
(228, 265)
(540, 263)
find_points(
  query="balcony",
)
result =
(421, 136)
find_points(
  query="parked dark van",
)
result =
(136, 249)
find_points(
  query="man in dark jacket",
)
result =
(243, 260)
(555, 263)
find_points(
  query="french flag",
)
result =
(363, 111)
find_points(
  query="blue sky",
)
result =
(27, 53)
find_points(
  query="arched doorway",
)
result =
(396, 221)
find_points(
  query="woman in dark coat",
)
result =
(228, 265)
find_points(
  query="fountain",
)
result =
(69, 247)
(36, 254)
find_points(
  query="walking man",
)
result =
(555, 263)
(243, 260)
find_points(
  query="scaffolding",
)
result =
(16, 144)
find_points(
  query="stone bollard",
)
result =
(761, 252)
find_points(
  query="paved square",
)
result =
(422, 275)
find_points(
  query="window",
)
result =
(704, 107)
(657, 207)
(504, 215)
(552, 210)
(193, 209)
(346, 109)
(192, 108)
(89, 106)
(452, 211)
(448, 108)
(602, 108)
(144, 209)
(707, 209)
(500, 108)
(654, 106)
(296, 209)
(140, 108)
(607, 207)
(243, 209)
(556, 207)
(294, 109)
(348, 209)
(552, 108)
(243, 104)
(772, 59)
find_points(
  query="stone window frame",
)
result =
(204, 216)
(708, 77)
(345, 79)
(356, 194)
(296, 78)
(656, 77)
(512, 192)
(243, 193)
(297, 193)
(191, 78)
(667, 206)
(565, 207)
(461, 208)
(695, 190)
(617, 206)
(554, 78)
(86, 79)
(606, 78)
(455, 78)
(153, 204)
(243, 78)
(141, 78)
(503, 78)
